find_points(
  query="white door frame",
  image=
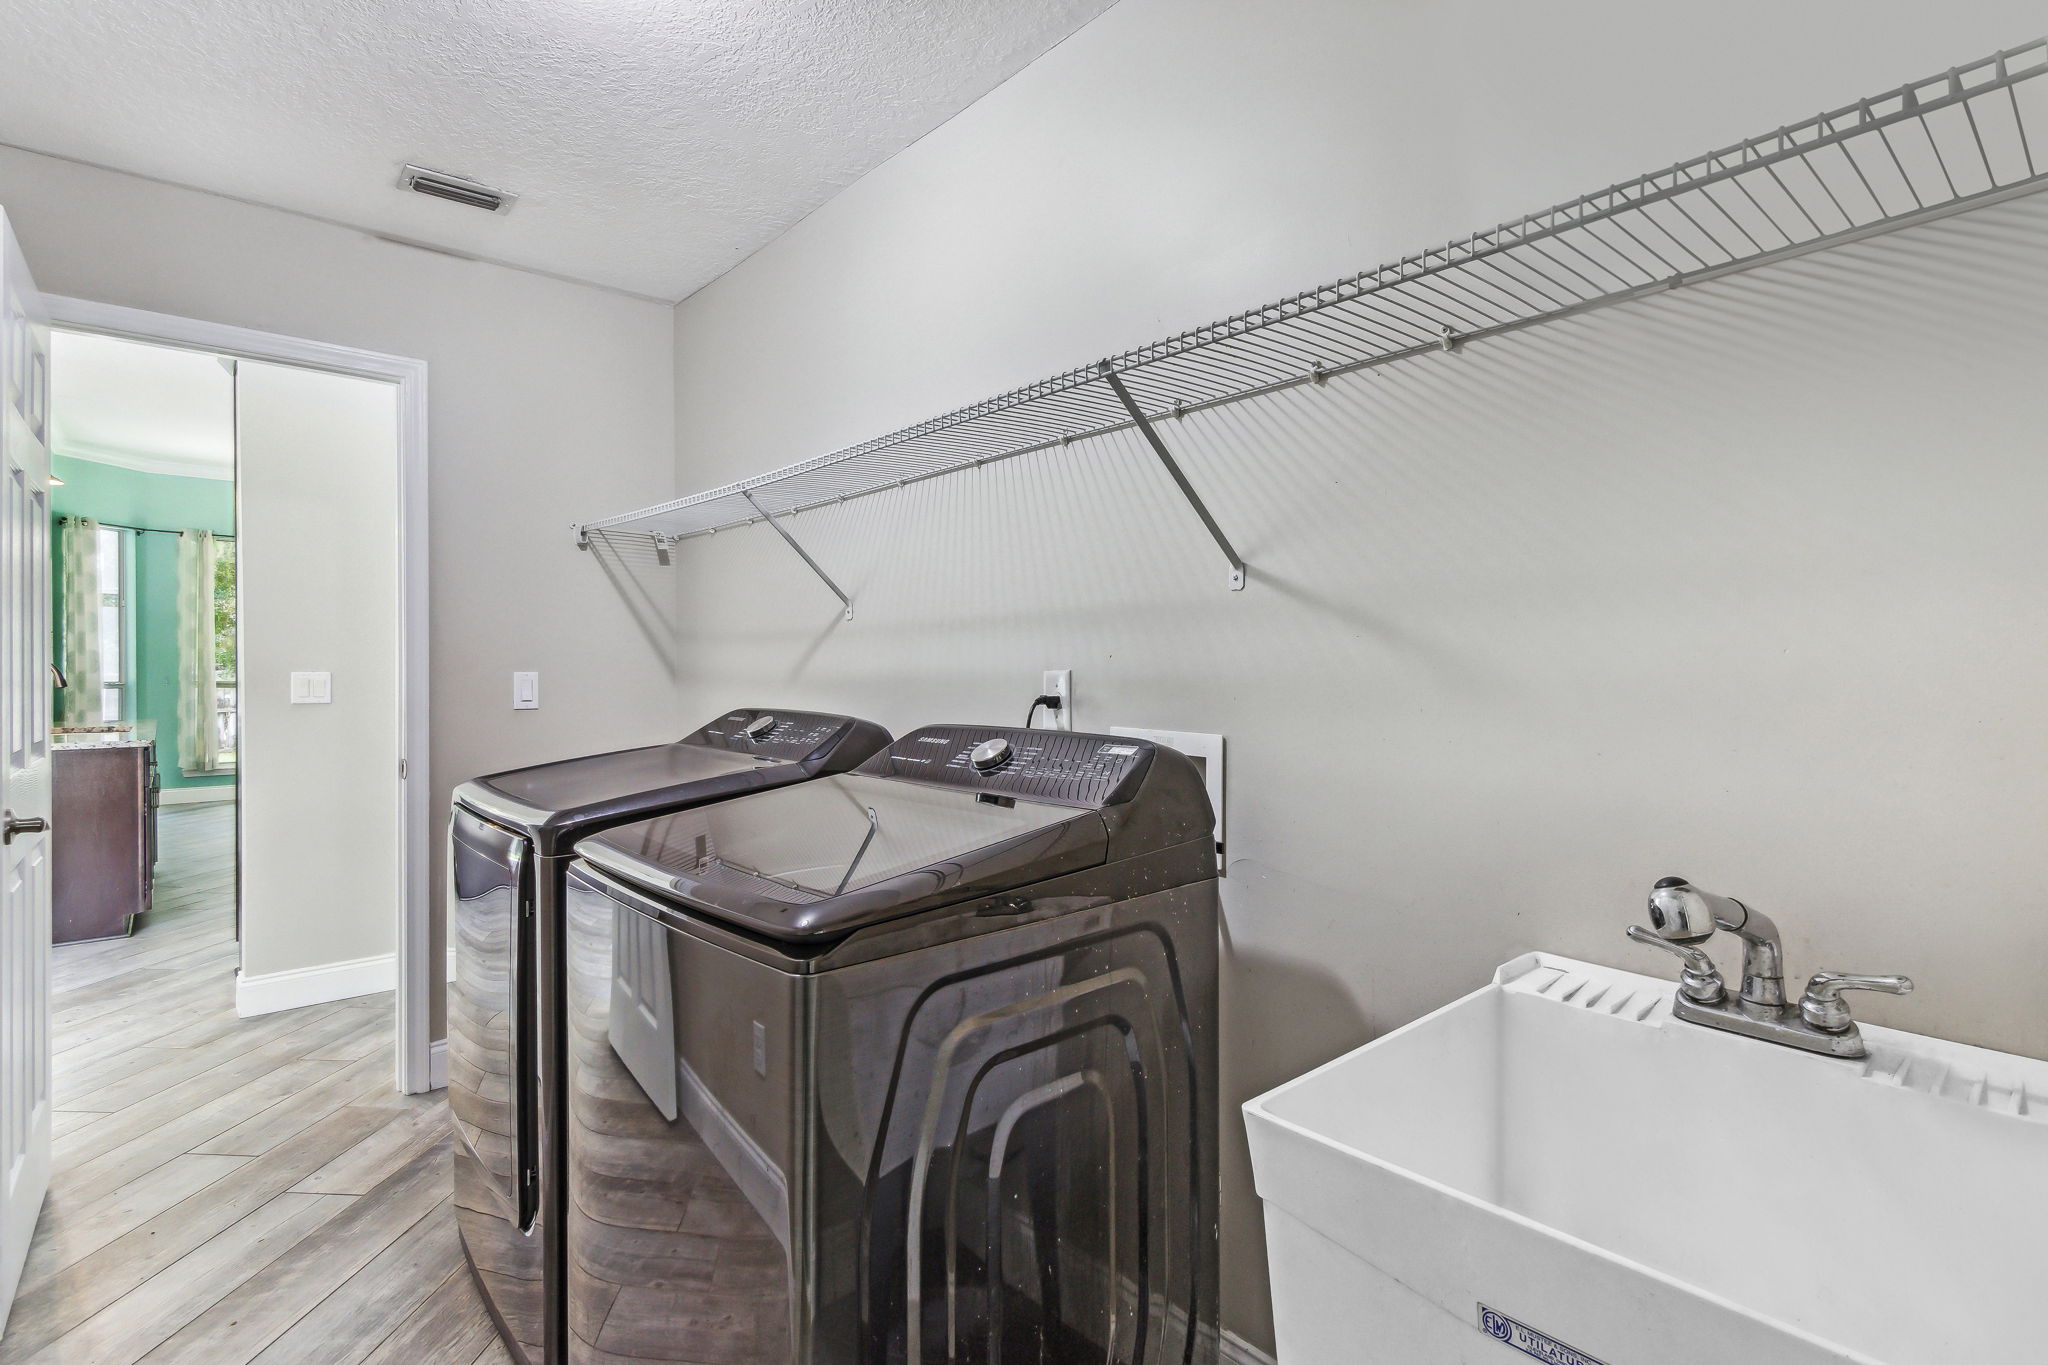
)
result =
(416, 851)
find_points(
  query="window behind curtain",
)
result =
(225, 722)
(115, 598)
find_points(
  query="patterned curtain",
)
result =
(198, 739)
(78, 552)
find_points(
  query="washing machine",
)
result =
(910, 1065)
(511, 836)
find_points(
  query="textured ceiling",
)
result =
(654, 143)
(141, 407)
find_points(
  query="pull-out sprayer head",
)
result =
(1682, 913)
(1679, 913)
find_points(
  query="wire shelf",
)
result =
(1956, 141)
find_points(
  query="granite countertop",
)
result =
(123, 736)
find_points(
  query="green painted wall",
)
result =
(169, 503)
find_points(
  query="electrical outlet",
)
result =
(1059, 682)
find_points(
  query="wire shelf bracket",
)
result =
(1956, 141)
(1187, 490)
(801, 553)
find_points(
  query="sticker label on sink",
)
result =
(1529, 1341)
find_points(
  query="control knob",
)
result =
(990, 754)
(759, 726)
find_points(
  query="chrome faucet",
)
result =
(1682, 913)
(1682, 917)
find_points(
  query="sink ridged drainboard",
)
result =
(1887, 1064)
(1621, 999)
(1895, 1066)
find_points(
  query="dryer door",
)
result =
(491, 1080)
(492, 1085)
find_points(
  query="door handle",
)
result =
(15, 824)
(525, 1043)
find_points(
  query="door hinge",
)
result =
(401, 770)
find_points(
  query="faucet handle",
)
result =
(1700, 979)
(1823, 1007)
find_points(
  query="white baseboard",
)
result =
(195, 796)
(303, 986)
(437, 1051)
(1233, 1349)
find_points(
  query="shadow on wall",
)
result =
(800, 662)
(645, 585)
(1308, 1012)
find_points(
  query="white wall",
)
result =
(549, 402)
(317, 572)
(1745, 583)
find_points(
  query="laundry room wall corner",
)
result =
(550, 400)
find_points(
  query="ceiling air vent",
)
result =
(455, 189)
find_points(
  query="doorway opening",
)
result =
(285, 704)
(136, 1016)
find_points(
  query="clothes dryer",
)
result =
(511, 836)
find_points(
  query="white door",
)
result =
(25, 763)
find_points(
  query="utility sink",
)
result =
(1556, 1168)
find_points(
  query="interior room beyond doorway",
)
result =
(143, 571)
(227, 621)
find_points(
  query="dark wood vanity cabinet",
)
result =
(102, 838)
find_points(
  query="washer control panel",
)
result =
(787, 736)
(1060, 766)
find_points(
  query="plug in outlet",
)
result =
(1059, 682)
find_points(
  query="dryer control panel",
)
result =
(1060, 766)
(786, 736)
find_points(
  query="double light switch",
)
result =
(312, 689)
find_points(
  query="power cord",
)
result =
(1050, 701)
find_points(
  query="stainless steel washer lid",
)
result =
(919, 826)
(556, 802)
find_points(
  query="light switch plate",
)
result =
(1207, 751)
(312, 689)
(526, 691)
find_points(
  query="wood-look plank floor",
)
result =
(233, 1190)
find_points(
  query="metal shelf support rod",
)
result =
(801, 553)
(1187, 490)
